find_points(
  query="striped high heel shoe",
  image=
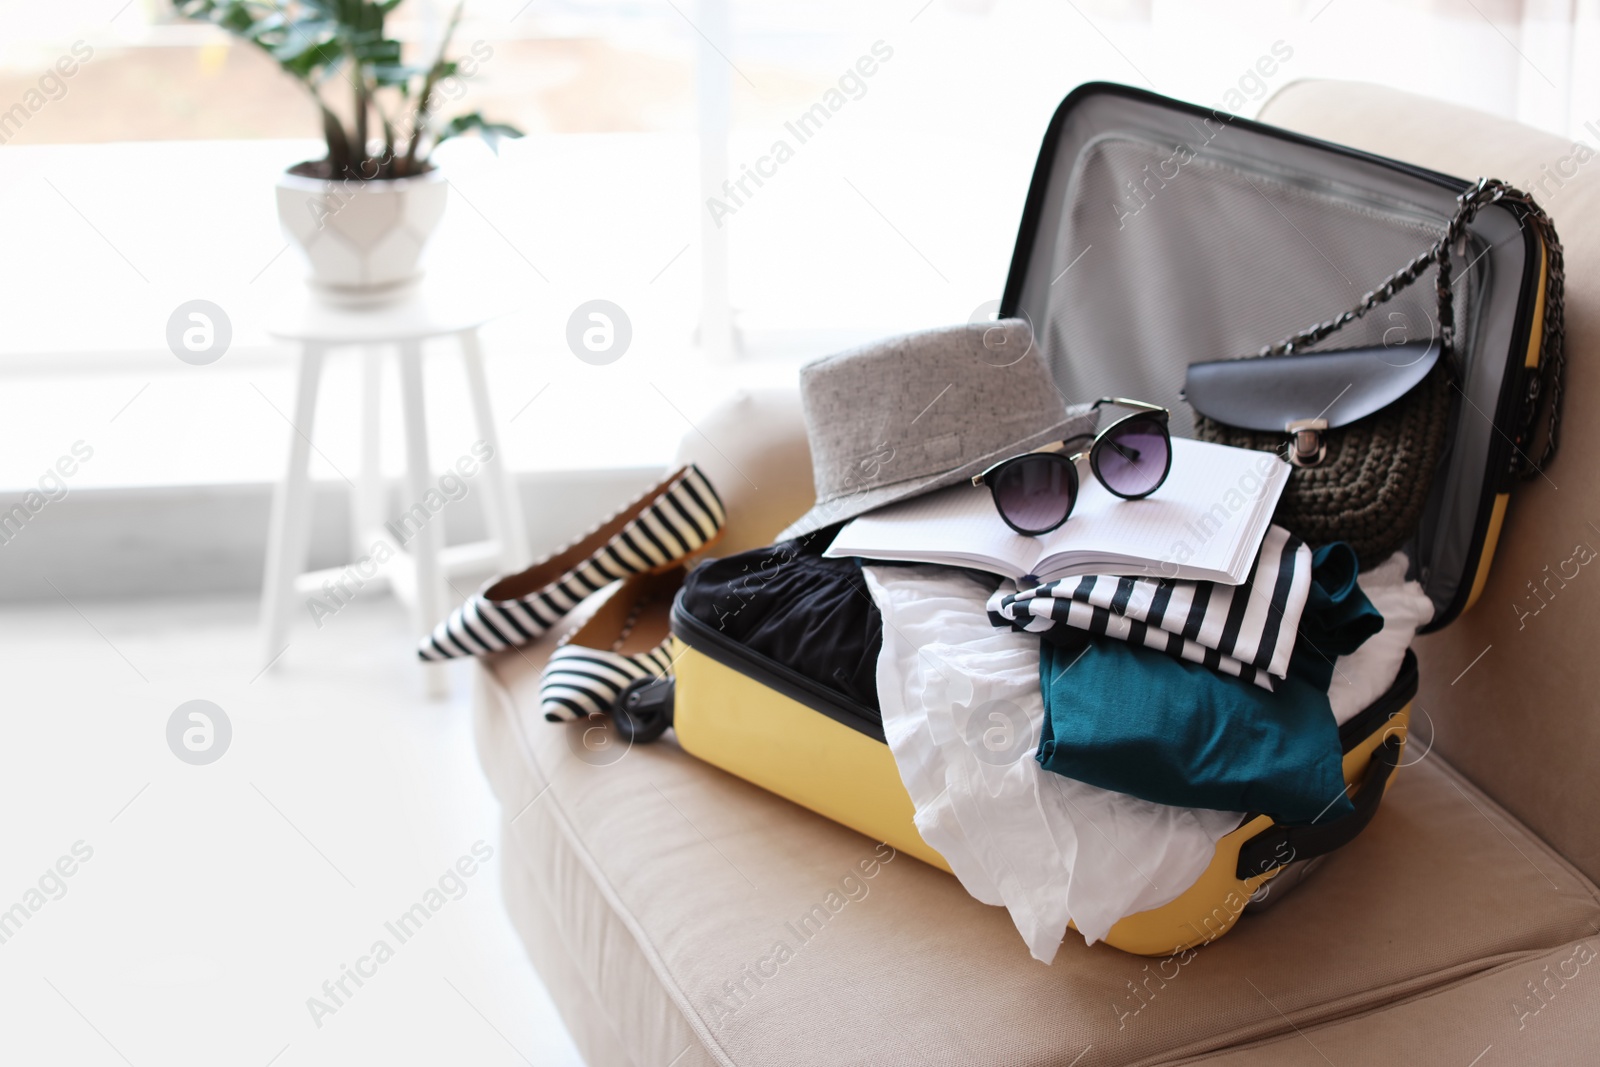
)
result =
(668, 523)
(624, 641)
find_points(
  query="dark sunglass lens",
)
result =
(1132, 457)
(1036, 492)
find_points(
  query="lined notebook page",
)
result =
(1203, 504)
(957, 526)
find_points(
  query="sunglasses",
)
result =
(1035, 492)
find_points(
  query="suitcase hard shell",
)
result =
(1156, 234)
(792, 736)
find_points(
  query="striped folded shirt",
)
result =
(1246, 630)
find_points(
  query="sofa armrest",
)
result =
(753, 448)
(1545, 775)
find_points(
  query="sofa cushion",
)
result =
(666, 887)
(1544, 1009)
(1510, 684)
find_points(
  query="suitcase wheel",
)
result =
(644, 710)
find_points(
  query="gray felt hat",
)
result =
(922, 411)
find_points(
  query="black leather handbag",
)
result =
(1365, 428)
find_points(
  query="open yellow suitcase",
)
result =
(1193, 215)
(797, 739)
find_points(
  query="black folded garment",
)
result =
(790, 605)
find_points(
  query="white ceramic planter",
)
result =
(363, 240)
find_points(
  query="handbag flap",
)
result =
(1267, 394)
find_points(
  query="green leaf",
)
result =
(325, 57)
(377, 51)
(303, 38)
(491, 132)
(398, 76)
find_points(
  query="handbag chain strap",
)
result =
(1553, 360)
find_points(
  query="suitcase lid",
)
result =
(1158, 234)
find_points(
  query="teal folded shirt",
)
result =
(1337, 619)
(1137, 721)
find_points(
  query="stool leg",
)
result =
(427, 544)
(502, 510)
(366, 503)
(290, 530)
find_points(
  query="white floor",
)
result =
(216, 900)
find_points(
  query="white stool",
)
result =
(318, 327)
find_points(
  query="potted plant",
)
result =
(362, 214)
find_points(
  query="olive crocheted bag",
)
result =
(1370, 487)
(1365, 429)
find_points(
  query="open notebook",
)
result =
(1205, 523)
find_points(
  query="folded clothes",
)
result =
(1362, 676)
(1338, 617)
(789, 604)
(962, 712)
(1247, 631)
(1127, 718)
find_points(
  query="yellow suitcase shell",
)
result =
(752, 730)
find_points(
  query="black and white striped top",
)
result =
(1246, 630)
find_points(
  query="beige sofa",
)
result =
(1462, 928)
